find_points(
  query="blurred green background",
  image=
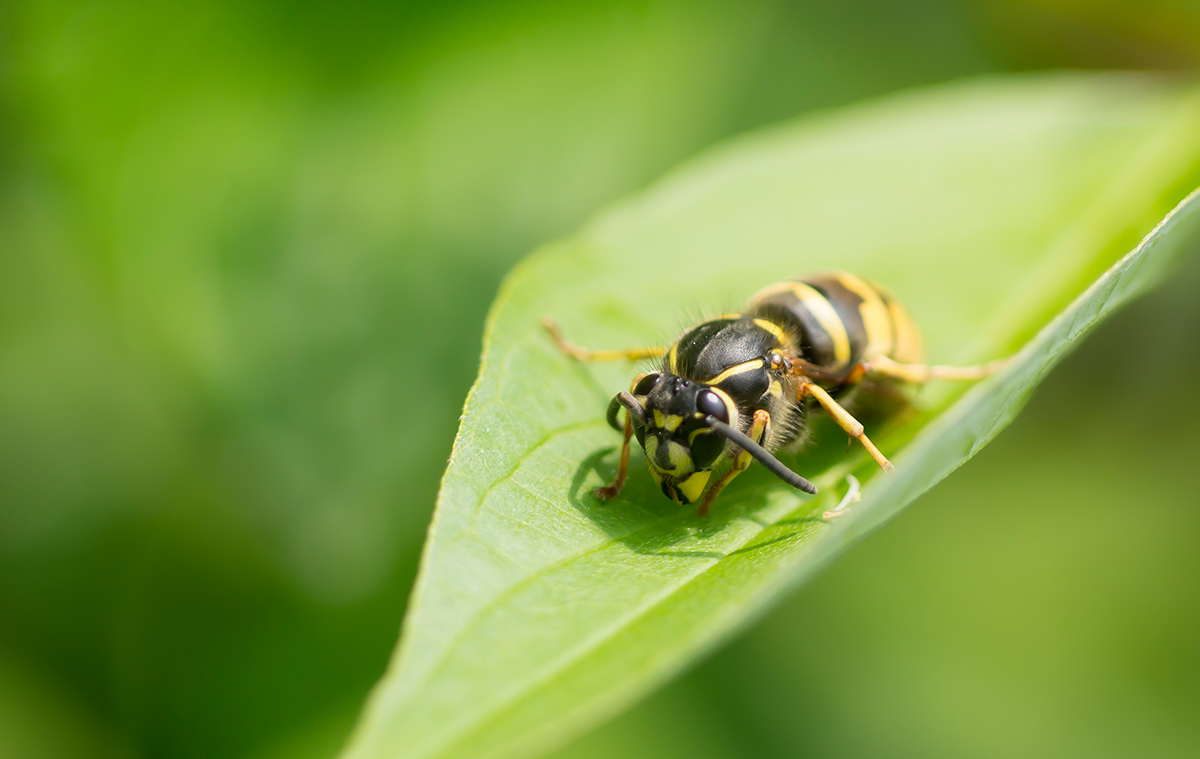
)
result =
(246, 250)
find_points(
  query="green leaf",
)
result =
(986, 207)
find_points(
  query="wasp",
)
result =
(737, 388)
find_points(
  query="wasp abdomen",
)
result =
(838, 319)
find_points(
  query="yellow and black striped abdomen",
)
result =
(839, 319)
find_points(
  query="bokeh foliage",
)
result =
(245, 254)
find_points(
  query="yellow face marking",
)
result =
(742, 368)
(693, 487)
(658, 418)
(671, 423)
(821, 310)
(774, 329)
(680, 457)
(877, 319)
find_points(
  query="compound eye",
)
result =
(646, 384)
(709, 403)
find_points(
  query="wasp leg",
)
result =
(584, 354)
(757, 433)
(852, 426)
(613, 489)
(920, 373)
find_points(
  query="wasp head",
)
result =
(671, 418)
